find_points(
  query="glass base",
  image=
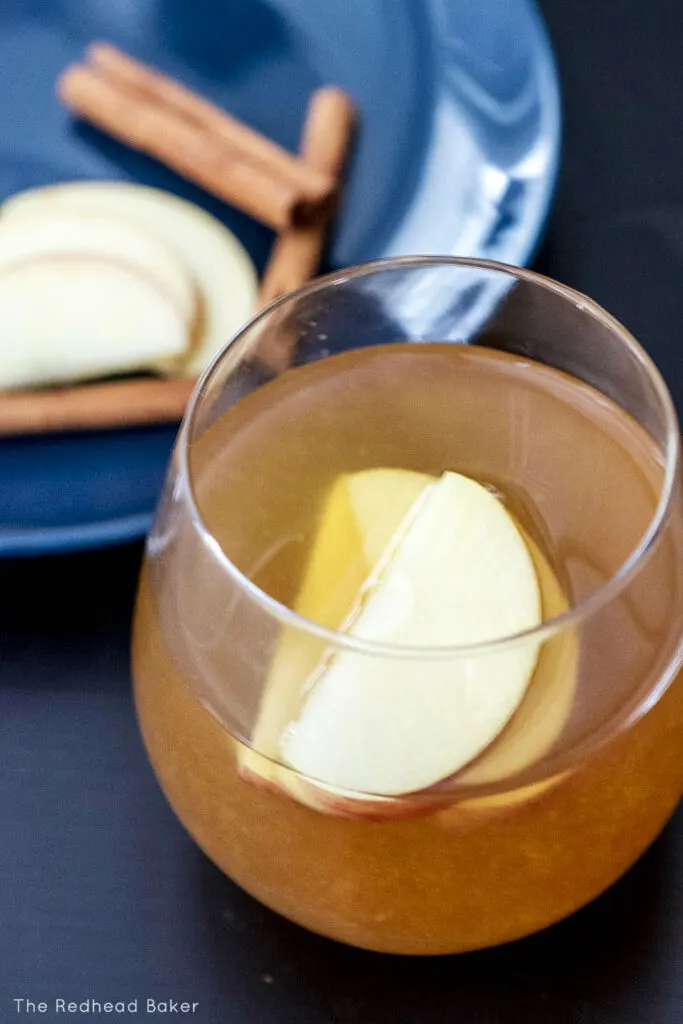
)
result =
(456, 880)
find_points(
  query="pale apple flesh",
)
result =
(71, 318)
(456, 573)
(216, 262)
(369, 507)
(362, 513)
(549, 700)
(63, 234)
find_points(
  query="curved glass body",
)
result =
(424, 365)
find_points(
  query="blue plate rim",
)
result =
(17, 543)
(524, 246)
(529, 250)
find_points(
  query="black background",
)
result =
(102, 893)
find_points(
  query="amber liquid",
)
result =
(472, 870)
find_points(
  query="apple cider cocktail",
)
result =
(409, 627)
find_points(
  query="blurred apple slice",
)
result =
(60, 233)
(215, 259)
(68, 318)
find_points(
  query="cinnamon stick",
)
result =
(125, 403)
(191, 151)
(295, 257)
(313, 183)
(296, 253)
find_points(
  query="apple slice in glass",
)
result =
(351, 722)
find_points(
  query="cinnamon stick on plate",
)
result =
(313, 182)
(163, 118)
(150, 113)
(124, 403)
(325, 142)
(296, 253)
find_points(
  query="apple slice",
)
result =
(64, 233)
(545, 710)
(217, 262)
(69, 318)
(361, 515)
(458, 572)
(536, 725)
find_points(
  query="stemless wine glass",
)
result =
(546, 399)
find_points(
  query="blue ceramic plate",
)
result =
(457, 154)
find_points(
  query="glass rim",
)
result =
(575, 614)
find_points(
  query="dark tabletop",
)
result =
(102, 894)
